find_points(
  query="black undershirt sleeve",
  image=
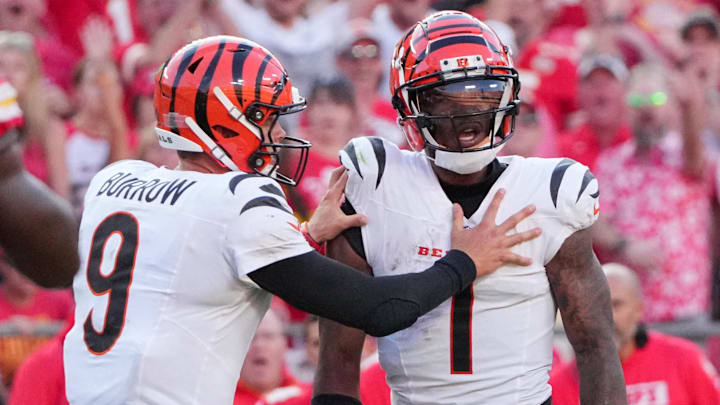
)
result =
(353, 235)
(379, 306)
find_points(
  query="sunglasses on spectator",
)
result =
(368, 51)
(640, 100)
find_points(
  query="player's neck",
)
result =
(202, 164)
(449, 177)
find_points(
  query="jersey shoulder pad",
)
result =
(367, 158)
(574, 192)
(255, 191)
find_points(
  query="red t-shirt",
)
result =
(56, 305)
(548, 68)
(290, 392)
(314, 183)
(667, 371)
(581, 144)
(41, 378)
(373, 386)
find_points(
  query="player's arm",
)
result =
(384, 305)
(37, 228)
(581, 292)
(337, 376)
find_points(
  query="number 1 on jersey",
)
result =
(461, 332)
(116, 283)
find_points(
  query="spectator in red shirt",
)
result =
(601, 93)
(657, 190)
(27, 313)
(44, 138)
(40, 380)
(98, 133)
(658, 369)
(30, 16)
(701, 36)
(265, 379)
(332, 119)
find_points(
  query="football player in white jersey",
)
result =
(37, 228)
(178, 265)
(456, 91)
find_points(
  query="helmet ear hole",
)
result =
(255, 114)
(256, 161)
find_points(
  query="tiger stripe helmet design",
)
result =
(223, 95)
(450, 47)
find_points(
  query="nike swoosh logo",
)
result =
(296, 227)
(596, 209)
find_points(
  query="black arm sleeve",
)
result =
(334, 399)
(377, 305)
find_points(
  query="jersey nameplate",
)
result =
(126, 186)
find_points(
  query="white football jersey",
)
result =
(492, 343)
(165, 311)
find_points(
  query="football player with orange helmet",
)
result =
(456, 91)
(178, 266)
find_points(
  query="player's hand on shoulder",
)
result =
(488, 244)
(329, 220)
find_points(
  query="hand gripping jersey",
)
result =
(164, 310)
(492, 343)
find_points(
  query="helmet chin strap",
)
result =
(217, 152)
(465, 162)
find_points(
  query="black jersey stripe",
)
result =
(184, 63)
(264, 201)
(237, 179)
(557, 177)
(240, 55)
(350, 150)
(587, 178)
(273, 189)
(380, 156)
(201, 97)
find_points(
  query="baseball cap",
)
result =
(356, 31)
(611, 63)
(700, 19)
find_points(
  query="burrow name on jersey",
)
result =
(126, 186)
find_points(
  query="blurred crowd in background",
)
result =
(630, 88)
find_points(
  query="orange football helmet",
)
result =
(223, 95)
(452, 51)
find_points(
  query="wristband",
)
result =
(320, 247)
(334, 399)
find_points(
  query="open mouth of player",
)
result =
(470, 136)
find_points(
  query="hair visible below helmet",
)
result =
(215, 95)
(452, 48)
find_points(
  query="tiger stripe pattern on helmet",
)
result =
(222, 95)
